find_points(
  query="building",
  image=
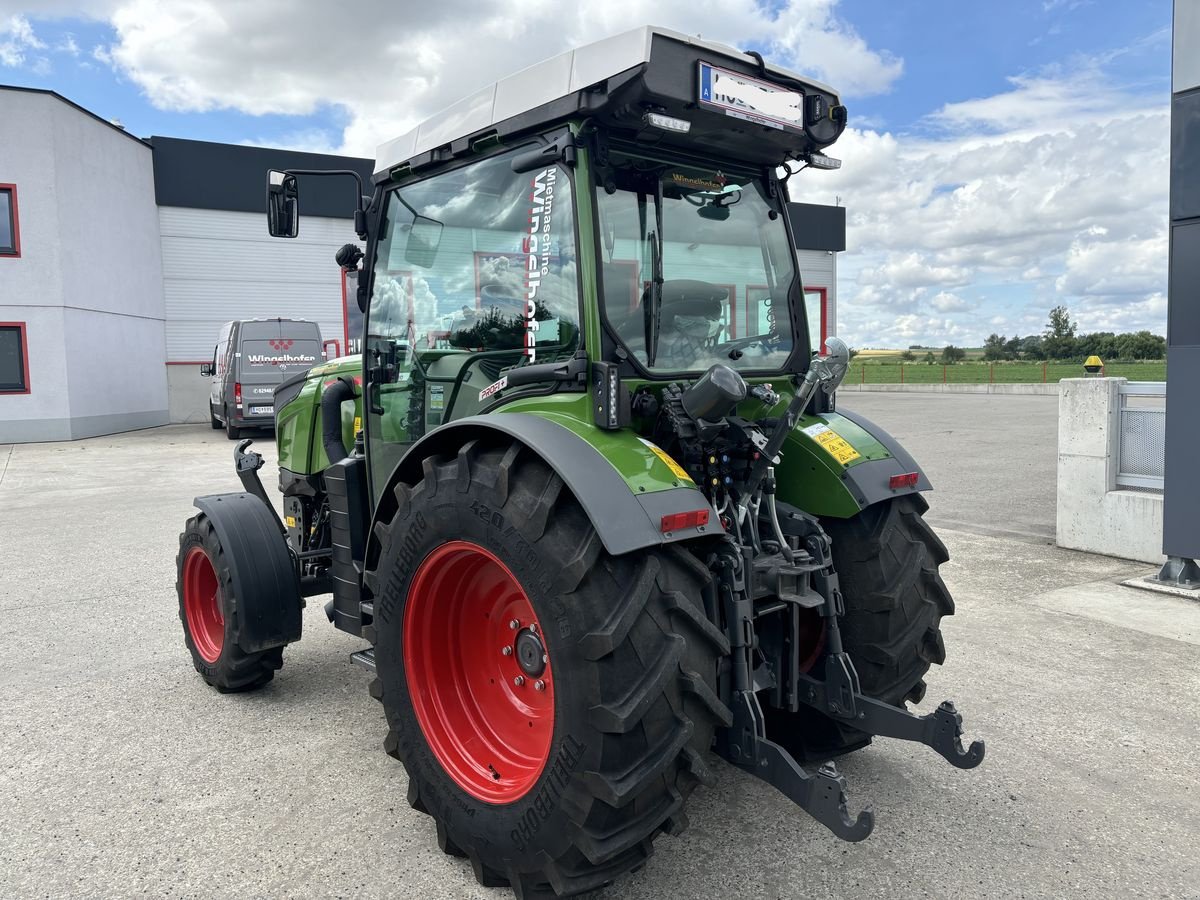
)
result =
(120, 258)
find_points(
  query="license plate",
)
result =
(262, 410)
(750, 99)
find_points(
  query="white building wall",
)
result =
(88, 283)
(818, 268)
(220, 265)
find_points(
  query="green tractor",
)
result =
(593, 519)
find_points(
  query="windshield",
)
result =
(719, 291)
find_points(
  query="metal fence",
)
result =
(1143, 419)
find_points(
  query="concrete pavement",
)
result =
(124, 774)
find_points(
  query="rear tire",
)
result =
(887, 560)
(231, 431)
(208, 609)
(631, 664)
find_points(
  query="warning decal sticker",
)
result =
(662, 454)
(832, 443)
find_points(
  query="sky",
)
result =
(1002, 158)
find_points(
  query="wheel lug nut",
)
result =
(519, 680)
(514, 625)
(533, 627)
(539, 685)
(506, 650)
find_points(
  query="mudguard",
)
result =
(265, 579)
(837, 464)
(625, 484)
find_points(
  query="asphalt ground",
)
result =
(122, 774)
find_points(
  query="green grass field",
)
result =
(876, 371)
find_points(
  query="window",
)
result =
(722, 244)
(475, 274)
(10, 232)
(14, 359)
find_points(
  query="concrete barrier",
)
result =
(1092, 513)
(1041, 390)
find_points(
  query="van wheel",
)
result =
(216, 423)
(231, 431)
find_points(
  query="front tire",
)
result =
(216, 423)
(209, 611)
(563, 789)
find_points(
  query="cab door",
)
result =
(475, 272)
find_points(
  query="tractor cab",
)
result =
(624, 202)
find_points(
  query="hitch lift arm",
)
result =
(745, 743)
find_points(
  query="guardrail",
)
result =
(1141, 441)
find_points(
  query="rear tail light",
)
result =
(908, 479)
(237, 393)
(679, 521)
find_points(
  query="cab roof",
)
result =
(579, 82)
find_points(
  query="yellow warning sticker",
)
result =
(662, 454)
(357, 424)
(832, 443)
(291, 521)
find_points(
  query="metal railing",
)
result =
(1143, 433)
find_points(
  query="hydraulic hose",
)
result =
(331, 418)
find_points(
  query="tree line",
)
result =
(1059, 342)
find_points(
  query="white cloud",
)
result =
(16, 40)
(278, 56)
(945, 302)
(911, 270)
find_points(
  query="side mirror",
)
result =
(206, 370)
(424, 236)
(283, 212)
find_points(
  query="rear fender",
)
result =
(624, 484)
(838, 463)
(265, 580)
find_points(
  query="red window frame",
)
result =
(21, 329)
(16, 222)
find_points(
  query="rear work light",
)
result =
(667, 123)
(679, 521)
(908, 479)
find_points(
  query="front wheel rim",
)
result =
(478, 671)
(202, 604)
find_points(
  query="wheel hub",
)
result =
(531, 653)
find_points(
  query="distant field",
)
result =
(882, 367)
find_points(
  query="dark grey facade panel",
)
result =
(1181, 496)
(1185, 155)
(1183, 287)
(817, 227)
(204, 175)
(1181, 488)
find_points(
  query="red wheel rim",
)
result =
(202, 604)
(812, 639)
(486, 712)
